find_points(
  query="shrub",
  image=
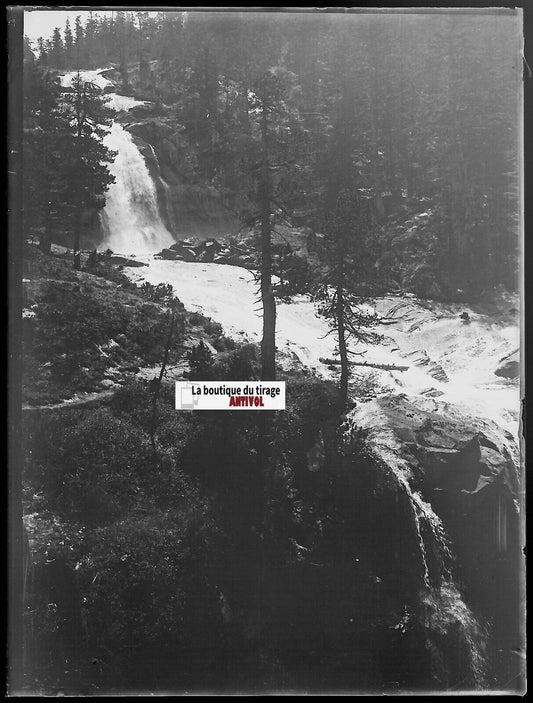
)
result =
(161, 293)
(99, 264)
(92, 468)
(36, 264)
(200, 362)
(147, 598)
(71, 319)
(73, 325)
(241, 364)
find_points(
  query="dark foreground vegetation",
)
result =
(167, 555)
(139, 555)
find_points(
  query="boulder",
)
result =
(431, 393)
(420, 357)
(168, 254)
(124, 261)
(441, 447)
(184, 251)
(461, 473)
(509, 366)
(207, 250)
(186, 255)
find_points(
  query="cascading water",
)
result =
(169, 208)
(442, 613)
(168, 205)
(131, 220)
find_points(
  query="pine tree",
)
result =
(57, 54)
(266, 97)
(124, 32)
(46, 132)
(91, 28)
(43, 53)
(273, 148)
(347, 219)
(69, 44)
(79, 43)
(88, 158)
(345, 284)
(28, 55)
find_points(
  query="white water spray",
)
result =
(131, 220)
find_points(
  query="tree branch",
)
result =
(383, 367)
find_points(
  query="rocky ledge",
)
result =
(209, 251)
(465, 469)
(300, 243)
(448, 451)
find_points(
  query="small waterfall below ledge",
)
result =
(454, 638)
(131, 221)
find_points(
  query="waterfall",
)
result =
(455, 638)
(445, 613)
(131, 221)
(168, 203)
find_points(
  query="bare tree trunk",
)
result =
(383, 367)
(77, 237)
(266, 419)
(268, 342)
(45, 242)
(157, 388)
(343, 353)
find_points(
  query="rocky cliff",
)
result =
(461, 474)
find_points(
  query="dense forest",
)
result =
(426, 131)
(365, 168)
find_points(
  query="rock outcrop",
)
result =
(460, 456)
(462, 472)
(208, 251)
(188, 206)
(509, 366)
(289, 247)
(126, 261)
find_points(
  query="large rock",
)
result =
(183, 252)
(464, 470)
(168, 254)
(187, 207)
(187, 255)
(420, 357)
(509, 366)
(124, 261)
(207, 251)
(441, 447)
